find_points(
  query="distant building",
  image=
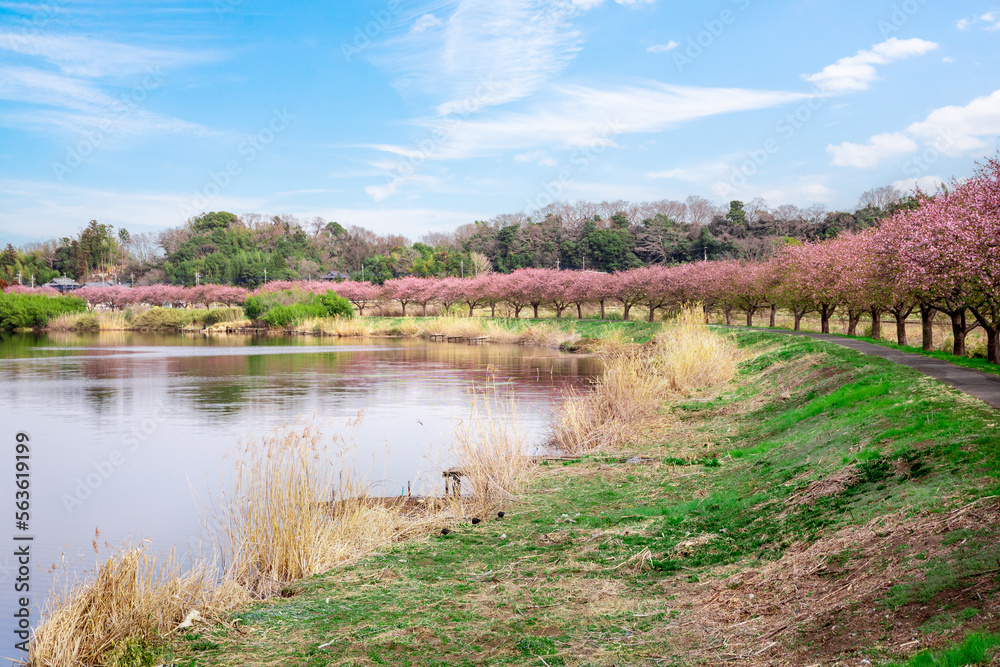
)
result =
(63, 284)
(336, 275)
(102, 284)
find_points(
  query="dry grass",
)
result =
(90, 321)
(295, 506)
(453, 327)
(624, 405)
(133, 595)
(490, 451)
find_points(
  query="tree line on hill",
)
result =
(251, 249)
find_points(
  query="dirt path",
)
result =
(983, 386)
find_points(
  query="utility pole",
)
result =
(557, 263)
(463, 267)
(362, 273)
(32, 281)
(265, 275)
(705, 250)
(197, 278)
(19, 278)
(131, 280)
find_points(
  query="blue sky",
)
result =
(421, 116)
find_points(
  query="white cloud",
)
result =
(426, 22)
(990, 19)
(91, 58)
(68, 104)
(857, 72)
(955, 130)
(539, 156)
(694, 174)
(484, 54)
(663, 48)
(924, 183)
(878, 148)
(589, 118)
(590, 4)
(952, 130)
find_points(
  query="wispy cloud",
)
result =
(857, 72)
(990, 22)
(663, 48)
(485, 53)
(582, 116)
(92, 58)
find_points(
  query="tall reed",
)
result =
(295, 506)
(624, 406)
(134, 595)
(490, 450)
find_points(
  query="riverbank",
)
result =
(826, 508)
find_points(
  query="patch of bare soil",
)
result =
(819, 604)
(831, 485)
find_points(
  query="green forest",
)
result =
(250, 249)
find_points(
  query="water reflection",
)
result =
(128, 424)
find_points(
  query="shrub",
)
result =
(289, 307)
(162, 318)
(24, 311)
(336, 306)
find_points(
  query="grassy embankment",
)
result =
(824, 506)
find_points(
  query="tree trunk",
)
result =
(652, 310)
(901, 329)
(729, 316)
(559, 311)
(602, 309)
(876, 314)
(471, 310)
(993, 345)
(493, 310)
(927, 327)
(750, 312)
(628, 307)
(517, 312)
(825, 312)
(774, 313)
(425, 309)
(535, 307)
(958, 332)
(403, 303)
(798, 318)
(704, 309)
(853, 317)
(579, 312)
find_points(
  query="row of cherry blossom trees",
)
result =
(943, 256)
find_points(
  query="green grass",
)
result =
(976, 649)
(553, 581)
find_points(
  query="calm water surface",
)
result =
(127, 429)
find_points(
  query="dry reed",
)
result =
(294, 507)
(490, 451)
(625, 404)
(134, 595)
